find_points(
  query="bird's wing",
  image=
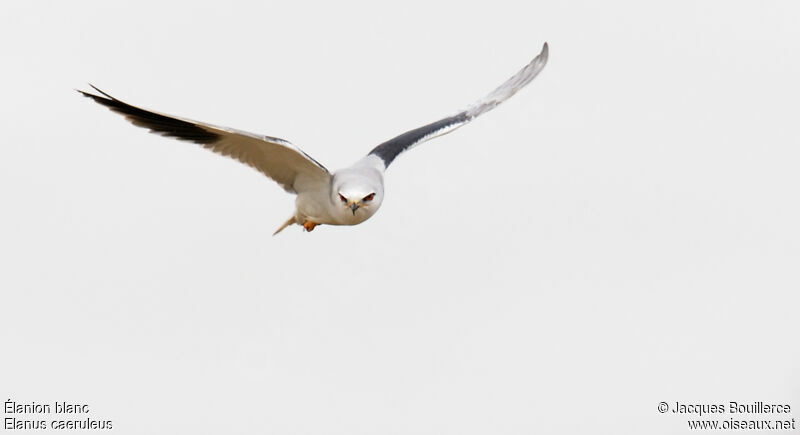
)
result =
(390, 149)
(276, 158)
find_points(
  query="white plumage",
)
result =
(346, 197)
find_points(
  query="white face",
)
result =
(357, 201)
(356, 194)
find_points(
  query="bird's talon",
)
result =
(309, 226)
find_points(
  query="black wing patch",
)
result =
(390, 149)
(156, 122)
(387, 151)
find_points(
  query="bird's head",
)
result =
(357, 197)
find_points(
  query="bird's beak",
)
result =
(354, 206)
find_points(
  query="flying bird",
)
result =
(348, 196)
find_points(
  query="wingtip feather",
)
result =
(103, 93)
(95, 96)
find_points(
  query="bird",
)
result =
(348, 196)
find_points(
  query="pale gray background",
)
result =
(621, 232)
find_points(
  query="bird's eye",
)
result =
(369, 197)
(342, 198)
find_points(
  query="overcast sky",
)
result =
(623, 231)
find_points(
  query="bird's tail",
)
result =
(291, 220)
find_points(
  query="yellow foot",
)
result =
(309, 226)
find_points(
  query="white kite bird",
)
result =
(349, 196)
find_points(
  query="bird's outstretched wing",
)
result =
(390, 149)
(276, 158)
